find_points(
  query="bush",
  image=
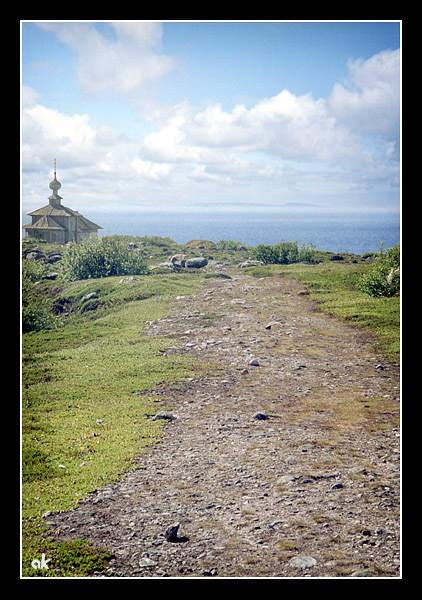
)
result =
(384, 279)
(104, 257)
(283, 253)
(229, 245)
(36, 314)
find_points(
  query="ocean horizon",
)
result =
(354, 233)
(334, 232)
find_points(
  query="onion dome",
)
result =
(55, 186)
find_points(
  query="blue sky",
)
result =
(192, 116)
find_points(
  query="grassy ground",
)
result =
(86, 412)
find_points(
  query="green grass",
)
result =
(86, 411)
(334, 285)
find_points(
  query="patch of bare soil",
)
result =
(283, 462)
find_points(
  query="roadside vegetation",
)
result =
(88, 368)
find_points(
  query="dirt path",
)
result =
(295, 456)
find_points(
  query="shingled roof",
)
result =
(56, 217)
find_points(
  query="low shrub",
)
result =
(104, 257)
(283, 253)
(35, 309)
(384, 279)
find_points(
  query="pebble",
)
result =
(364, 573)
(260, 416)
(147, 562)
(254, 362)
(306, 447)
(302, 562)
(164, 416)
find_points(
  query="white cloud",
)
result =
(287, 126)
(151, 170)
(370, 100)
(29, 96)
(128, 66)
(355, 129)
(47, 132)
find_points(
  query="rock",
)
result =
(35, 255)
(302, 562)
(285, 479)
(171, 534)
(220, 275)
(272, 324)
(305, 479)
(167, 265)
(306, 447)
(178, 260)
(54, 257)
(145, 561)
(129, 279)
(260, 416)
(249, 263)
(89, 297)
(254, 362)
(164, 417)
(336, 257)
(364, 573)
(196, 263)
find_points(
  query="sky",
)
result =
(192, 116)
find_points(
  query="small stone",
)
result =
(164, 416)
(337, 486)
(302, 562)
(147, 562)
(254, 362)
(99, 421)
(89, 297)
(306, 447)
(272, 324)
(260, 416)
(171, 533)
(364, 573)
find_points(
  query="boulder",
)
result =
(336, 257)
(196, 263)
(178, 260)
(250, 263)
(167, 265)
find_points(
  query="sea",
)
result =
(355, 233)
